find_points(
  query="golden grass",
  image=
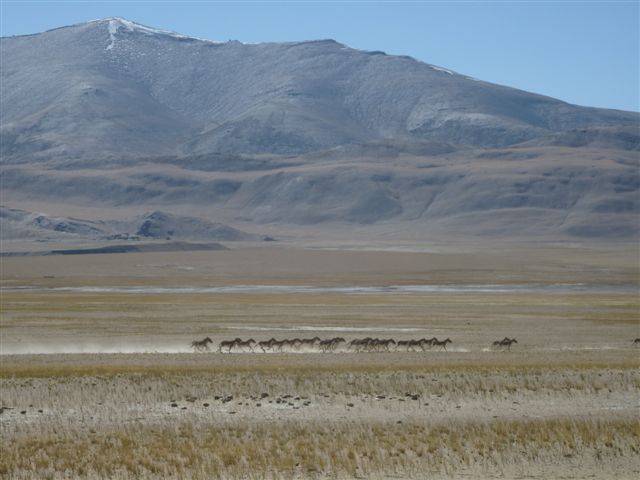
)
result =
(49, 369)
(273, 364)
(60, 300)
(121, 426)
(116, 389)
(323, 450)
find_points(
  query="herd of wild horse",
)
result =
(367, 344)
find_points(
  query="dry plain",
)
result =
(100, 381)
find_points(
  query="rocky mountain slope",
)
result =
(17, 224)
(111, 114)
(114, 87)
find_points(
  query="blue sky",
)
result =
(583, 52)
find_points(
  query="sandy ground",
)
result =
(543, 323)
(344, 264)
(103, 384)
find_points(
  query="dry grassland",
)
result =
(563, 403)
(516, 449)
(269, 422)
(41, 322)
(446, 263)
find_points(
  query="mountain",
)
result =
(114, 87)
(112, 114)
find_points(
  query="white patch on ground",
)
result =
(353, 290)
(39, 348)
(325, 329)
(581, 347)
(457, 349)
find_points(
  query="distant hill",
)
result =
(126, 248)
(163, 225)
(613, 137)
(17, 224)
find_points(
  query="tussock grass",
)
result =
(135, 387)
(315, 450)
(167, 365)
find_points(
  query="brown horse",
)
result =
(505, 342)
(441, 343)
(427, 342)
(201, 345)
(310, 342)
(284, 344)
(246, 343)
(267, 344)
(228, 344)
(384, 344)
(330, 344)
(359, 344)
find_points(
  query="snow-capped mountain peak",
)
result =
(116, 23)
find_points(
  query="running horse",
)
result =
(246, 343)
(440, 343)
(505, 342)
(228, 344)
(201, 345)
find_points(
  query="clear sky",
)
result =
(583, 52)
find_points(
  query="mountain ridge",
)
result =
(115, 115)
(185, 95)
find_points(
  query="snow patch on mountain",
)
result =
(113, 29)
(440, 69)
(114, 23)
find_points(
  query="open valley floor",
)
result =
(98, 378)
